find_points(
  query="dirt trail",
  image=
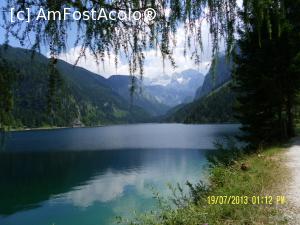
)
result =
(293, 188)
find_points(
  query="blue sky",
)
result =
(153, 65)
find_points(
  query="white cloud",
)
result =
(153, 65)
(240, 3)
(111, 185)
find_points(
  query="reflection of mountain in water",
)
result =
(28, 179)
(139, 136)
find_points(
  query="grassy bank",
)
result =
(251, 175)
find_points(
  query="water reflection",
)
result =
(83, 178)
(154, 136)
(87, 176)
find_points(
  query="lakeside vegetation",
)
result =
(264, 175)
(260, 34)
(263, 35)
(216, 107)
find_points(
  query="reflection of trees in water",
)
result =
(27, 179)
(1, 140)
(3, 137)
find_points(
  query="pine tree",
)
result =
(7, 77)
(266, 76)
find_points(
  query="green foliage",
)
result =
(217, 107)
(132, 38)
(218, 75)
(76, 98)
(262, 179)
(7, 78)
(266, 80)
(7, 81)
(227, 152)
(198, 191)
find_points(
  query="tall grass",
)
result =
(262, 177)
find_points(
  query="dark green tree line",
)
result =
(129, 37)
(267, 66)
(111, 38)
(267, 78)
(7, 77)
(133, 37)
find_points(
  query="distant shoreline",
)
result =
(49, 128)
(37, 128)
(106, 125)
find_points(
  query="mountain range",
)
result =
(214, 100)
(80, 97)
(85, 98)
(122, 84)
(218, 75)
(177, 88)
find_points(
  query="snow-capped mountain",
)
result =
(176, 88)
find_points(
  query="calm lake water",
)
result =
(88, 176)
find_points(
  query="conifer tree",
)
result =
(267, 75)
(7, 77)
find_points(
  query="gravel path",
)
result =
(293, 190)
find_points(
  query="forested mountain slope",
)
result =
(216, 77)
(79, 97)
(214, 100)
(216, 107)
(140, 97)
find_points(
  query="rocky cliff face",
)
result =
(177, 88)
(216, 77)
